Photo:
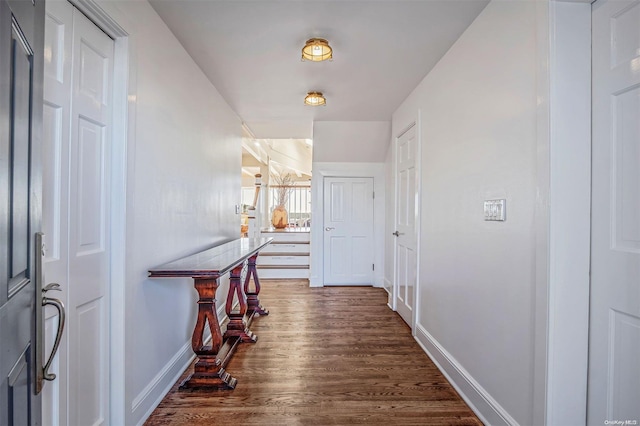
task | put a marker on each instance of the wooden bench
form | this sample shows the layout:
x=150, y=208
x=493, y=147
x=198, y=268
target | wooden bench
x=206, y=267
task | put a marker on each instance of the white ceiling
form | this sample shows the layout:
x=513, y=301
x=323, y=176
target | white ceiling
x=250, y=50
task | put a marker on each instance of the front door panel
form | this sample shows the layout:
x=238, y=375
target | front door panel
x=20, y=197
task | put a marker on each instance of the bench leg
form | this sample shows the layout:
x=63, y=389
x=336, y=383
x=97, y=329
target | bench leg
x=208, y=371
x=237, y=326
x=252, y=297
x=209, y=374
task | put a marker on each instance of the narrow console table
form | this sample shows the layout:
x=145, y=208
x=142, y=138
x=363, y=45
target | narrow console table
x=206, y=267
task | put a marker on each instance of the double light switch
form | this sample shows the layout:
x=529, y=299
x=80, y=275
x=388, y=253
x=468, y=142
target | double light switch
x=495, y=210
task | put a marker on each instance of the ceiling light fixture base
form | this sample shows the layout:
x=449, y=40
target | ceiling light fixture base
x=316, y=50
x=315, y=99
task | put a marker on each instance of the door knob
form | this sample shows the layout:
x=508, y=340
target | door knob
x=397, y=234
x=329, y=228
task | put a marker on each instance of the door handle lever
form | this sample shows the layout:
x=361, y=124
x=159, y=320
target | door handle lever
x=397, y=234
x=57, y=303
x=41, y=372
x=329, y=228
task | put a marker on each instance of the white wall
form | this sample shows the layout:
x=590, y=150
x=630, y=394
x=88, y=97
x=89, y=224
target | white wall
x=183, y=180
x=348, y=149
x=477, y=279
x=350, y=141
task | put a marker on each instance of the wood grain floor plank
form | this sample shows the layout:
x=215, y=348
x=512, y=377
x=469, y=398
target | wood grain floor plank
x=324, y=356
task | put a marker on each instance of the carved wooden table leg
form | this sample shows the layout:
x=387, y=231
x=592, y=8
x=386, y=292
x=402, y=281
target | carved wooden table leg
x=208, y=372
x=252, y=297
x=237, y=326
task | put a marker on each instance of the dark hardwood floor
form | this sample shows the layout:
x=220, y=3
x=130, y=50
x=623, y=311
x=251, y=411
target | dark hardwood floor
x=324, y=356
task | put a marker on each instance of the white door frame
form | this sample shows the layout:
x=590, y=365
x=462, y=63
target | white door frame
x=122, y=136
x=563, y=203
x=416, y=296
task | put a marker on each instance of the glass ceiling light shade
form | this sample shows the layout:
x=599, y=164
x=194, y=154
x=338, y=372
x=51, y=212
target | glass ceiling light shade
x=316, y=50
x=315, y=99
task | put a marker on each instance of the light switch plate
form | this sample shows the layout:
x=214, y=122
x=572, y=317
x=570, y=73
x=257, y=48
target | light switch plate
x=495, y=210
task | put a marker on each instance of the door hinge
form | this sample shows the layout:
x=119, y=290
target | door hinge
x=373, y=266
x=374, y=195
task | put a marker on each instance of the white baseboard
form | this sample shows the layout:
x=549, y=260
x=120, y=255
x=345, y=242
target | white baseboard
x=314, y=281
x=480, y=401
x=388, y=285
x=151, y=396
x=378, y=280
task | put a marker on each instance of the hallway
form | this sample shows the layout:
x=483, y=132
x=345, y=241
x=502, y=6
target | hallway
x=324, y=356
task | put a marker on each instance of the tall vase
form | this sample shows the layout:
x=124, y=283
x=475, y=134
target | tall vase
x=279, y=217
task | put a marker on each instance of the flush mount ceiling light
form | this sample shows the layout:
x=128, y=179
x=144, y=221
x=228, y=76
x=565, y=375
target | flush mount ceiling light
x=315, y=99
x=316, y=50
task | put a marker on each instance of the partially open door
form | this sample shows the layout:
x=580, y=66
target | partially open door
x=21, y=53
x=406, y=263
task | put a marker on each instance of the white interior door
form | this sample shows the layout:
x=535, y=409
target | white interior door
x=77, y=120
x=614, y=339
x=348, y=231
x=405, y=264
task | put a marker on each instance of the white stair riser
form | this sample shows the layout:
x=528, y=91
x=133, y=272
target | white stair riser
x=287, y=236
x=286, y=248
x=282, y=260
x=282, y=273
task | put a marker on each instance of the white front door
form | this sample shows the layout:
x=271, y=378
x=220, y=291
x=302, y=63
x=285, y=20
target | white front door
x=76, y=164
x=614, y=339
x=348, y=231
x=405, y=264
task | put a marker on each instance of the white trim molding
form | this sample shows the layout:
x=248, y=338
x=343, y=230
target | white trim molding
x=151, y=396
x=569, y=212
x=563, y=202
x=155, y=391
x=478, y=399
